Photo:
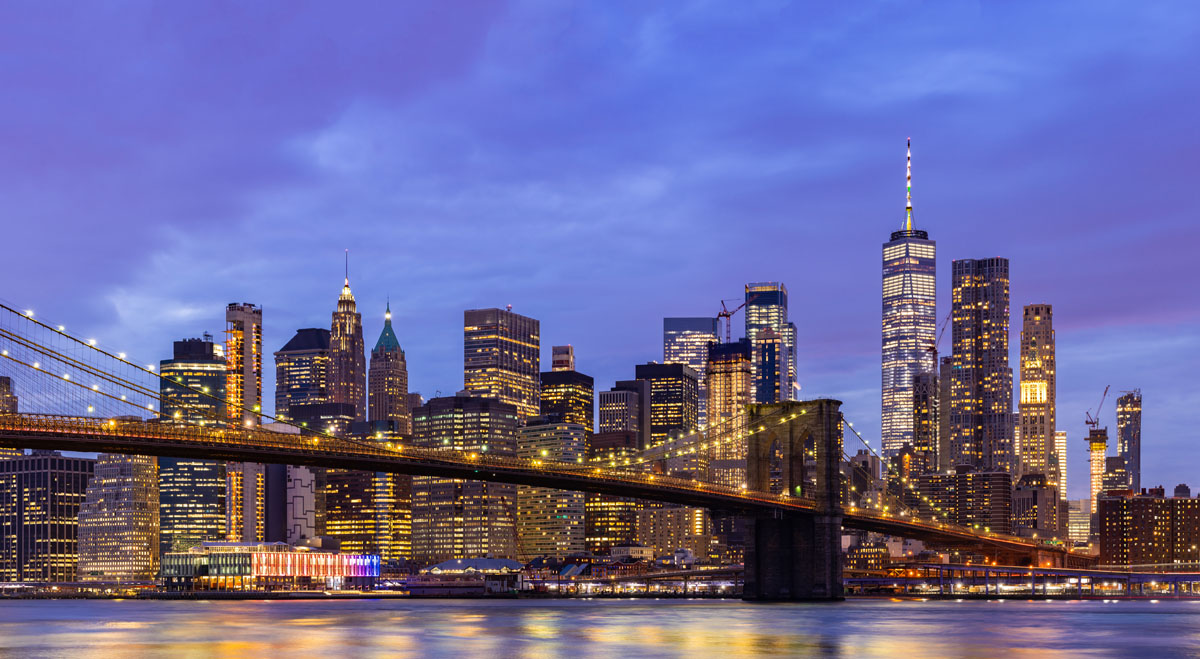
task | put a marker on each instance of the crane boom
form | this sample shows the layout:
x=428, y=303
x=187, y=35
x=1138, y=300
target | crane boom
x=1094, y=421
x=727, y=314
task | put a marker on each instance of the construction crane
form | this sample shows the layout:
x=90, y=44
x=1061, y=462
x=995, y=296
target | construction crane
x=934, y=347
x=727, y=314
x=1093, y=422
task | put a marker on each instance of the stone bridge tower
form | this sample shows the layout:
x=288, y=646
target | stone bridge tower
x=796, y=557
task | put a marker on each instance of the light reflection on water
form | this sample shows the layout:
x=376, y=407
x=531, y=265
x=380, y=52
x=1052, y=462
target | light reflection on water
x=600, y=628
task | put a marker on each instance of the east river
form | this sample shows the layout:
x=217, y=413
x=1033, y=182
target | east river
x=596, y=628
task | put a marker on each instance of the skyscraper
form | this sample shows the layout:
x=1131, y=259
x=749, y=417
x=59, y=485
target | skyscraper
x=729, y=390
x=981, y=419
x=1129, y=435
x=370, y=513
x=1097, y=448
x=626, y=408
x=502, y=357
x=1038, y=393
x=767, y=307
x=389, y=379
x=302, y=371
x=674, y=399
x=1060, y=454
x=909, y=322
x=244, y=482
x=568, y=396
x=243, y=354
x=550, y=522
x=686, y=341
x=347, y=356
x=611, y=520
x=926, y=421
x=40, y=496
x=454, y=518
x=770, y=365
x=119, y=521
x=8, y=405
x=191, y=492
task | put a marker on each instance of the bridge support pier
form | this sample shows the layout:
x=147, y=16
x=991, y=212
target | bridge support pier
x=796, y=557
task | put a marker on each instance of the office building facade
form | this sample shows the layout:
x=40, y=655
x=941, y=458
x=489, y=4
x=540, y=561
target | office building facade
x=626, y=408
x=119, y=521
x=1037, y=451
x=302, y=371
x=569, y=396
x=40, y=498
x=674, y=392
x=1129, y=435
x=767, y=308
x=550, y=522
x=729, y=391
x=502, y=358
x=686, y=341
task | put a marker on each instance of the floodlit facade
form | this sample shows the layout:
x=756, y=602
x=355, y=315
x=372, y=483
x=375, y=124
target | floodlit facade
x=244, y=509
x=191, y=492
x=1097, y=448
x=568, y=396
x=729, y=391
x=232, y=566
x=1060, y=454
x=389, y=379
x=767, y=307
x=981, y=387
x=119, y=521
x=1038, y=454
x=550, y=522
x=502, y=358
x=302, y=371
x=454, y=518
x=1129, y=435
x=909, y=323
x=347, y=356
x=626, y=408
x=686, y=341
x=40, y=497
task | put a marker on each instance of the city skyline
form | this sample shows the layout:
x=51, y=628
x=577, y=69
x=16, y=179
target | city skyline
x=981, y=193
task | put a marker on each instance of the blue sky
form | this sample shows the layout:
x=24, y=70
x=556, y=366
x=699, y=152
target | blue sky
x=600, y=166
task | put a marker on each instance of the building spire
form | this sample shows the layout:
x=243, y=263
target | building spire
x=387, y=313
x=347, y=267
x=908, y=188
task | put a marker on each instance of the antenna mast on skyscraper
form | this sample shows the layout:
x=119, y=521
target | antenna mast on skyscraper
x=908, y=188
x=347, y=266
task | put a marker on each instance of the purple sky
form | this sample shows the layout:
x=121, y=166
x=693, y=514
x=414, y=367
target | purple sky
x=599, y=167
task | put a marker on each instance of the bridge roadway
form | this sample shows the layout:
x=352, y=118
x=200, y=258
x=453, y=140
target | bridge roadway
x=93, y=435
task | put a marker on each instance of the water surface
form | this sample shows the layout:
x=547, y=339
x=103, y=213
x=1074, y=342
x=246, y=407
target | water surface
x=597, y=628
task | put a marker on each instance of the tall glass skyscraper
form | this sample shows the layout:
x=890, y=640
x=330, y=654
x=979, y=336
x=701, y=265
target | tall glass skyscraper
x=909, y=323
x=191, y=491
x=686, y=341
x=767, y=308
x=1129, y=436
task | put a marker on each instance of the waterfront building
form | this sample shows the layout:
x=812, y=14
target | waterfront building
x=1097, y=450
x=626, y=408
x=611, y=520
x=562, y=358
x=191, y=492
x=347, y=355
x=119, y=520
x=502, y=358
x=729, y=390
x=981, y=392
x=389, y=379
x=767, y=308
x=454, y=518
x=1038, y=393
x=1129, y=435
x=674, y=395
x=40, y=497
x=1079, y=521
x=262, y=566
x=8, y=405
x=550, y=522
x=686, y=341
x=668, y=529
x=302, y=371
x=244, y=511
x=926, y=408
x=568, y=395
x=1035, y=506
x=1148, y=529
x=909, y=322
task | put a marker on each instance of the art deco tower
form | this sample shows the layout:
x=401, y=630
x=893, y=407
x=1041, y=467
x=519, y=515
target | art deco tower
x=909, y=322
x=347, y=364
x=389, y=379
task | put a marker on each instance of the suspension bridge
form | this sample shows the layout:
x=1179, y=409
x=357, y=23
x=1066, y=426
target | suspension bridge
x=76, y=395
